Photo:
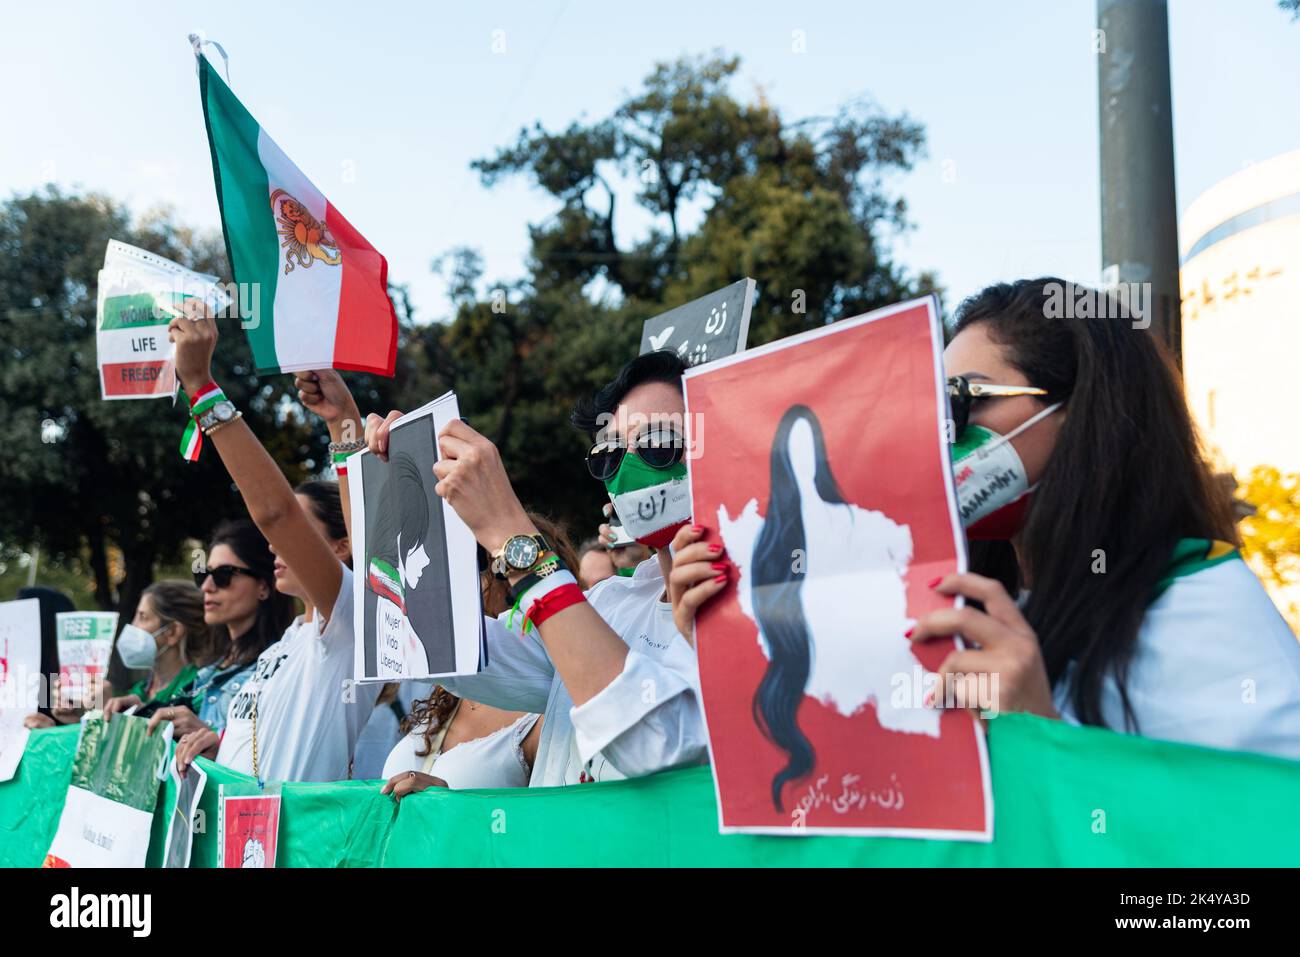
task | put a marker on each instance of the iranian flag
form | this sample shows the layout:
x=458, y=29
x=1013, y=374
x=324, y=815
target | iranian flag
x=313, y=292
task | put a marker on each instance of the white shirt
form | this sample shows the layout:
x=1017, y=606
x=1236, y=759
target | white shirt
x=646, y=720
x=1215, y=665
x=495, y=760
x=310, y=712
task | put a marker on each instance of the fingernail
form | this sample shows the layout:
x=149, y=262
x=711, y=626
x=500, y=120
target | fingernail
x=720, y=566
x=908, y=633
x=721, y=579
x=715, y=548
x=936, y=581
x=697, y=529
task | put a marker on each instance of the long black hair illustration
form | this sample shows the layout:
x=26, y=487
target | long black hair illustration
x=776, y=583
x=409, y=517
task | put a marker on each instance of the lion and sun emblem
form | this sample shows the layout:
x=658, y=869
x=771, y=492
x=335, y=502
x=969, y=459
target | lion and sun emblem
x=304, y=238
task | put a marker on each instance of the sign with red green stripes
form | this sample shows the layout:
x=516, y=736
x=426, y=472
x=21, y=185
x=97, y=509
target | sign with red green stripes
x=138, y=295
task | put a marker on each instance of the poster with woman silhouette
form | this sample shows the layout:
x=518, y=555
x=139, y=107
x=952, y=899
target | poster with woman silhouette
x=821, y=463
x=416, y=595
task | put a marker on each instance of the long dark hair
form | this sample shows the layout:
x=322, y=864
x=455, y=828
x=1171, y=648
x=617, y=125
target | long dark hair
x=410, y=514
x=327, y=506
x=1126, y=477
x=274, y=613
x=777, y=606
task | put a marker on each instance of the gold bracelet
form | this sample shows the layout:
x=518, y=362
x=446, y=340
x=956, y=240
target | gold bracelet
x=234, y=418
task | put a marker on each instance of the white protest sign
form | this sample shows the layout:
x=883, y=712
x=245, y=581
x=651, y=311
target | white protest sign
x=85, y=643
x=20, y=677
x=139, y=294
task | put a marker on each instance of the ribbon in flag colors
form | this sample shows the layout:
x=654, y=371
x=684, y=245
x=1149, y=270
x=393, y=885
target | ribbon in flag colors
x=192, y=437
x=313, y=291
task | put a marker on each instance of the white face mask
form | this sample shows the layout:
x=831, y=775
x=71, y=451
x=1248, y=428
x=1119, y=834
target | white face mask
x=137, y=647
x=992, y=485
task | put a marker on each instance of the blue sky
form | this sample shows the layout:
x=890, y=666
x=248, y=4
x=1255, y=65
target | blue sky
x=384, y=105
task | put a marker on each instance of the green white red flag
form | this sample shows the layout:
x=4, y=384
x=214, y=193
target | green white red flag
x=313, y=291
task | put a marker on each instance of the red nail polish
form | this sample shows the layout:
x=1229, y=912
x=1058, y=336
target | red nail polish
x=908, y=633
x=715, y=548
x=721, y=579
x=936, y=581
x=697, y=529
x=721, y=566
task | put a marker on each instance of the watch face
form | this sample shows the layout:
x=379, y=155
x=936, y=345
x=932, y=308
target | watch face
x=223, y=411
x=521, y=552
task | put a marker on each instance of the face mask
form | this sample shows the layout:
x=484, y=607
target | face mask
x=651, y=503
x=992, y=487
x=137, y=647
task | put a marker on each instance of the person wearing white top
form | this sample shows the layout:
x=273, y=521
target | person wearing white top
x=1137, y=613
x=300, y=715
x=616, y=683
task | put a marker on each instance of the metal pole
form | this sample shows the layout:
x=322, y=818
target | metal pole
x=1139, y=213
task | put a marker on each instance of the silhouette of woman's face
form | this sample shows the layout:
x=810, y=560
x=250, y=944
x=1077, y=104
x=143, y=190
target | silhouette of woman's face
x=412, y=563
x=974, y=354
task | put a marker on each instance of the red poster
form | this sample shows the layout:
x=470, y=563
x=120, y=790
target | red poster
x=249, y=829
x=821, y=462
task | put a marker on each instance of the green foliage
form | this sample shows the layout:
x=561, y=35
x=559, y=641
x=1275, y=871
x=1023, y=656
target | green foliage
x=800, y=206
x=79, y=471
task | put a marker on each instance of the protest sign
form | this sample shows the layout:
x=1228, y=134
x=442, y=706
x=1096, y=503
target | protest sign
x=705, y=329
x=20, y=677
x=827, y=477
x=85, y=643
x=313, y=292
x=185, y=819
x=250, y=829
x=417, y=597
x=139, y=294
x=108, y=813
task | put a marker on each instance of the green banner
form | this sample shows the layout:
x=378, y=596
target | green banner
x=1063, y=795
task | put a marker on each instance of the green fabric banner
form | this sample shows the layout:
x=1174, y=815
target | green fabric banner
x=1063, y=795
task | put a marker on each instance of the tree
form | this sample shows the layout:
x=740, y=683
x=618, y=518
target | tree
x=79, y=472
x=801, y=206
x=1271, y=535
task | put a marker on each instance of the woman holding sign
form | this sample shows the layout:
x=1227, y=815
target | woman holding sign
x=1082, y=489
x=299, y=716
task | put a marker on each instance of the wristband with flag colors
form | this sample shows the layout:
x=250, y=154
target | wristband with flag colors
x=552, y=603
x=192, y=438
x=341, y=462
x=539, y=590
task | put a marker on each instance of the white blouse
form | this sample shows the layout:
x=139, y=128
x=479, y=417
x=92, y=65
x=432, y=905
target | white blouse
x=493, y=761
x=1216, y=665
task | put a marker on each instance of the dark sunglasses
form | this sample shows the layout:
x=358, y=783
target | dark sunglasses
x=962, y=393
x=657, y=448
x=222, y=575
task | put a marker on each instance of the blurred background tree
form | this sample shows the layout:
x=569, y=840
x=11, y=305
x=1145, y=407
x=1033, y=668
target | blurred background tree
x=1271, y=535
x=801, y=206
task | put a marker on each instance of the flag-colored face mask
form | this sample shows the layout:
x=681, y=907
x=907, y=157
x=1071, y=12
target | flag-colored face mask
x=651, y=503
x=992, y=486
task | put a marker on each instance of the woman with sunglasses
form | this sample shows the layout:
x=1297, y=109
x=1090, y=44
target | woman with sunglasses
x=1084, y=494
x=298, y=716
x=245, y=614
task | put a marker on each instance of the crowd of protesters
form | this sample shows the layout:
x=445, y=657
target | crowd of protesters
x=1092, y=409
